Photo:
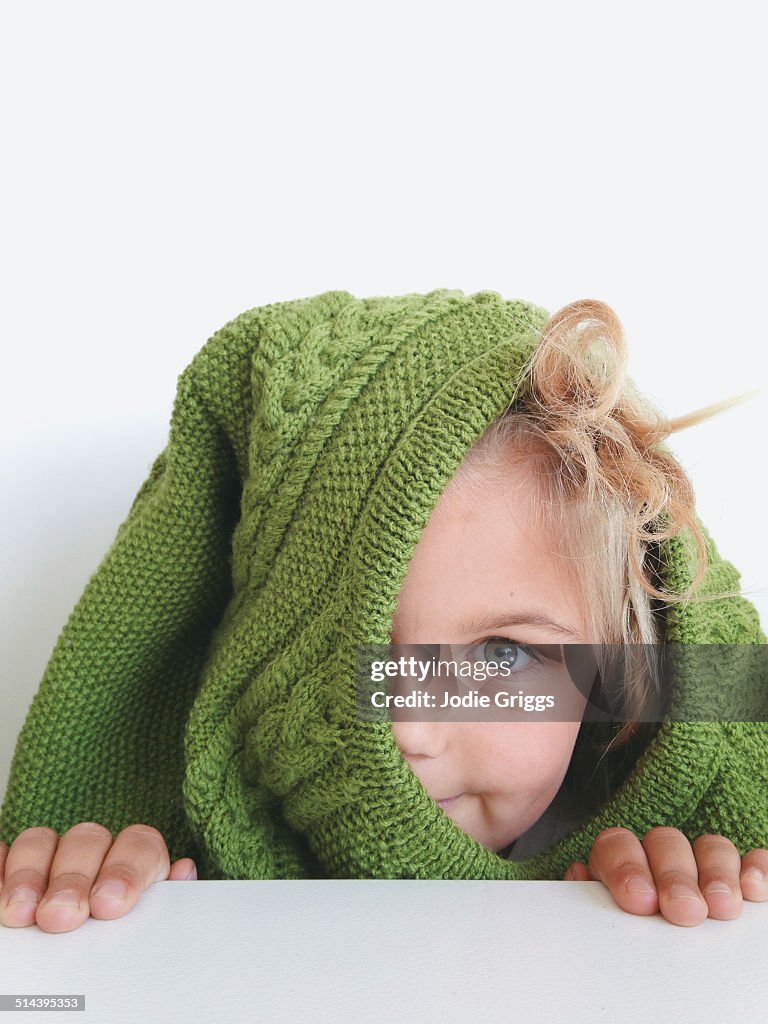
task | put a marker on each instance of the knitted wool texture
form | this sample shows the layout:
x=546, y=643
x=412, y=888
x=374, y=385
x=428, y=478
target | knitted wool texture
x=204, y=682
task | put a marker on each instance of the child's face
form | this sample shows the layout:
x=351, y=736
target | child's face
x=481, y=554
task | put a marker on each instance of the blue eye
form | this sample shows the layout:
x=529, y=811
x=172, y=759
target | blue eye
x=501, y=651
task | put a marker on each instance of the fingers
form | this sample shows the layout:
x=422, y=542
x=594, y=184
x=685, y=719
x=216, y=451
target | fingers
x=183, y=870
x=665, y=872
x=618, y=860
x=674, y=868
x=661, y=873
x=138, y=858
x=78, y=864
x=578, y=872
x=27, y=862
x=754, y=875
x=75, y=865
x=719, y=866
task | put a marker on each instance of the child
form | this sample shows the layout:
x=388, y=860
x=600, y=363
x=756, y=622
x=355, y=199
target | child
x=344, y=472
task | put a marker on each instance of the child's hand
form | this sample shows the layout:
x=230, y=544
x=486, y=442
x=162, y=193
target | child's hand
x=664, y=872
x=37, y=862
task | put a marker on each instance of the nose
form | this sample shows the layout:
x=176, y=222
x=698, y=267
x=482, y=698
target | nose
x=418, y=740
x=421, y=741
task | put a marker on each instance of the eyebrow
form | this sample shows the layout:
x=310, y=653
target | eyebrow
x=517, y=617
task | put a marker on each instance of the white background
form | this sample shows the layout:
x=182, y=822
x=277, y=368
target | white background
x=167, y=166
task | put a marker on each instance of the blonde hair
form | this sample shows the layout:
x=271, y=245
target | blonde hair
x=606, y=484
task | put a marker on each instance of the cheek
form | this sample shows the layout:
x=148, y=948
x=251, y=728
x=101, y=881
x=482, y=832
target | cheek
x=526, y=755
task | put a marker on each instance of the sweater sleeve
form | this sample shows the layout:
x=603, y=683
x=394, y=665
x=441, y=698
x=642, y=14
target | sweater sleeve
x=103, y=738
x=736, y=802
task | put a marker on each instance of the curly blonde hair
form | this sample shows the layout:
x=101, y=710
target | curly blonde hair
x=606, y=483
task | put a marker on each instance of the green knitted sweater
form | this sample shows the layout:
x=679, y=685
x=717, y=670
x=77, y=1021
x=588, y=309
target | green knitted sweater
x=204, y=682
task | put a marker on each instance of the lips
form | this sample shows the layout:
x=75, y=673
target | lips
x=448, y=800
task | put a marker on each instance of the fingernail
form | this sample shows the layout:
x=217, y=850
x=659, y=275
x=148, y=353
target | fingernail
x=719, y=887
x=192, y=876
x=755, y=874
x=639, y=884
x=64, y=899
x=113, y=890
x=24, y=896
x=682, y=892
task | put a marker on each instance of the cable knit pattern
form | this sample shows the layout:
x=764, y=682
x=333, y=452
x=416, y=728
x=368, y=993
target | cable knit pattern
x=204, y=683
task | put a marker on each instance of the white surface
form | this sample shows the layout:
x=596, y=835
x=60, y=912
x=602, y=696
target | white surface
x=359, y=951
